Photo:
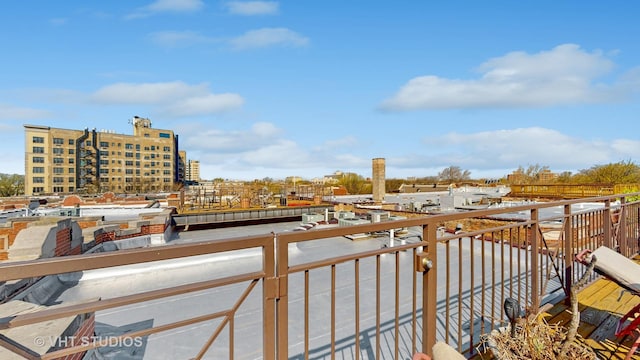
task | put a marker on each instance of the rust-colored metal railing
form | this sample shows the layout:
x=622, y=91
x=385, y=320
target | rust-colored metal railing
x=570, y=191
x=384, y=298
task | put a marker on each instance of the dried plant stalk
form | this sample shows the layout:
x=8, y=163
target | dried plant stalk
x=535, y=339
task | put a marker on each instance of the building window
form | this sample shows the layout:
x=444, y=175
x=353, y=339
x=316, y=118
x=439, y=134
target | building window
x=38, y=170
x=71, y=160
x=72, y=170
x=165, y=135
x=128, y=154
x=104, y=171
x=72, y=179
x=58, y=189
x=58, y=180
x=104, y=153
x=104, y=162
x=104, y=144
x=167, y=157
x=58, y=151
x=72, y=151
x=129, y=163
x=38, y=160
x=71, y=188
x=38, y=150
x=37, y=190
x=71, y=142
x=38, y=180
x=137, y=147
x=167, y=180
x=58, y=170
x=58, y=141
x=167, y=172
x=167, y=164
x=88, y=143
x=58, y=160
x=38, y=140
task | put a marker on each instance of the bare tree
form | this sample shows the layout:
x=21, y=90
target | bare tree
x=454, y=174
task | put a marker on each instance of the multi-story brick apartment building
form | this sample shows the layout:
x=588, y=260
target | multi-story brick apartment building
x=90, y=161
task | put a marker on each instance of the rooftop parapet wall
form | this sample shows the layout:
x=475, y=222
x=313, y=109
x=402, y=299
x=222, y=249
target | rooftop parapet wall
x=74, y=236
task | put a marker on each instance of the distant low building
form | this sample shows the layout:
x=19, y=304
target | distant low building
x=333, y=178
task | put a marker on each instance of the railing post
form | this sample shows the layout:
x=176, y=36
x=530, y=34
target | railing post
x=269, y=305
x=535, y=256
x=282, y=301
x=568, y=253
x=607, y=225
x=430, y=287
x=622, y=228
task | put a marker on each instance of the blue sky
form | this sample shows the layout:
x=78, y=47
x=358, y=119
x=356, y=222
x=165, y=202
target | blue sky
x=260, y=89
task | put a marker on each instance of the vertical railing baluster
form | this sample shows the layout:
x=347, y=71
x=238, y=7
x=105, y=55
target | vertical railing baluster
x=396, y=331
x=306, y=315
x=447, y=288
x=535, y=248
x=357, y=306
x=568, y=251
x=378, y=308
x=333, y=311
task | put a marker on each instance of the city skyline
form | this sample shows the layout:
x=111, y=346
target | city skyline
x=259, y=89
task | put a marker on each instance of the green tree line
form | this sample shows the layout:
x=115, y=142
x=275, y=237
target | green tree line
x=11, y=185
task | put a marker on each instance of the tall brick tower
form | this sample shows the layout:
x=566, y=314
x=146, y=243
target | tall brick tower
x=378, y=177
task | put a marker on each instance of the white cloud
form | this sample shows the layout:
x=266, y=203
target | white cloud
x=564, y=75
x=231, y=141
x=268, y=37
x=10, y=112
x=252, y=7
x=206, y=104
x=178, y=38
x=176, y=5
x=173, y=98
x=260, y=150
x=626, y=148
x=508, y=149
x=167, y=6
